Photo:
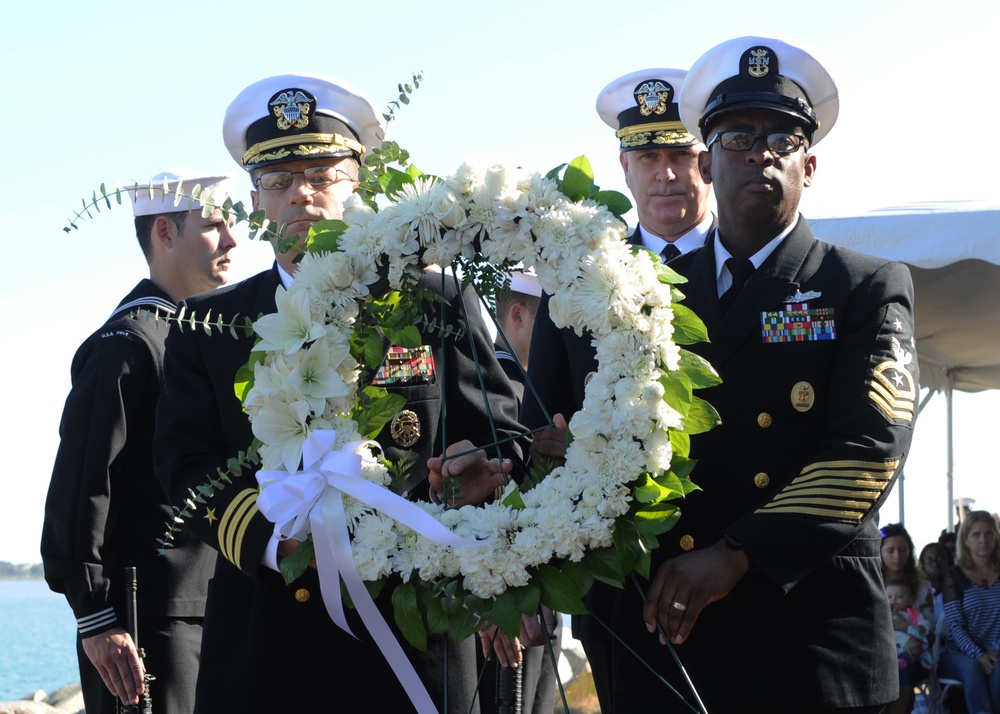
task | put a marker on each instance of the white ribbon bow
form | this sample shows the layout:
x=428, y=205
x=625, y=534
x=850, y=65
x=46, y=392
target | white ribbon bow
x=314, y=496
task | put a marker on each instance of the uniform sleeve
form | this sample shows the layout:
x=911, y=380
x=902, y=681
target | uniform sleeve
x=833, y=498
x=198, y=421
x=111, y=377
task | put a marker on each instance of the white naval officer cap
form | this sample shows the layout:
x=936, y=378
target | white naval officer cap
x=171, y=191
x=759, y=73
x=642, y=109
x=290, y=117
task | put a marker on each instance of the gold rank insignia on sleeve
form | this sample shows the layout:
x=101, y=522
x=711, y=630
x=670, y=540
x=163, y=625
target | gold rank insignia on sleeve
x=843, y=490
x=234, y=522
x=892, y=387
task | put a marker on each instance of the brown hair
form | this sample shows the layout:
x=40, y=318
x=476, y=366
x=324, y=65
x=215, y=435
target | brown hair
x=964, y=558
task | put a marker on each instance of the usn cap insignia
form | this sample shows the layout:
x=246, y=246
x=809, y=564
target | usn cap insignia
x=293, y=108
x=758, y=62
x=653, y=97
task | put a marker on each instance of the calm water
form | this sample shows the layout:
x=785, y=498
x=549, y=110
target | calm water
x=37, y=639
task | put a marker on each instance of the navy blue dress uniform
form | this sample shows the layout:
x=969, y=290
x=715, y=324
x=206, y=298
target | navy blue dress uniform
x=268, y=646
x=819, y=372
x=105, y=509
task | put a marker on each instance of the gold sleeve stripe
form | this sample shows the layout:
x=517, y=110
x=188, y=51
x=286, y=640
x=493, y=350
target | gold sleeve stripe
x=896, y=410
x=889, y=466
x=822, y=513
x=834, y=489
x=894, y=396
x=801, y=493
x=233, y=525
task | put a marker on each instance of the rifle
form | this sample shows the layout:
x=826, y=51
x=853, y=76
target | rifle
x=145, y=705
x=509, y=694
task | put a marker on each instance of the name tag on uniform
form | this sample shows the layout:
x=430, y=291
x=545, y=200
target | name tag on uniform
x=797, y=322
x=404, y=365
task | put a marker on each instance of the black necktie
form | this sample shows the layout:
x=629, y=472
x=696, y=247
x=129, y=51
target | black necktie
x=669, y=252
x=741, y=269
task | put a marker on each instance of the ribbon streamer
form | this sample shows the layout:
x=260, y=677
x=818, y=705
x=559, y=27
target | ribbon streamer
x=315, y=495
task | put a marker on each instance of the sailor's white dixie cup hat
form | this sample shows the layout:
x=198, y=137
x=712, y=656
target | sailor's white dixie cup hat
x=150, y=198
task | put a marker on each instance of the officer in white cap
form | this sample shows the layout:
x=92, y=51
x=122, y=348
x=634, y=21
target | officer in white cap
x=271, y=647
x=105, y=509
x=769, y=587
x=660, y=159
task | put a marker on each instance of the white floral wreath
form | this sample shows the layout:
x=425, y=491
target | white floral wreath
x=618, y=466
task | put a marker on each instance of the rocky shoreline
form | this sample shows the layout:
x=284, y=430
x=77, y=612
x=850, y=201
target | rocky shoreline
x=65, y=700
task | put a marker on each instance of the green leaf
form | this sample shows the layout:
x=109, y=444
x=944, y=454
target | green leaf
x=682, y=466
x=657, y=519
x=578, y=574
x=508, y=608
x=614, y=201
x=324, y=236
x=677, y=391
x=295, y=565
x=514, y=500
x=372, y=351
x=559, y=592
x=378, y=412
x=244, y=375
x=701, y=417
x=408, y=336
x=578, y=180
x=698, y=369
x=680, y=442
x=688, y=327
x=407, y=615
x=626, y=539
x=604, y=565
x=553, y=174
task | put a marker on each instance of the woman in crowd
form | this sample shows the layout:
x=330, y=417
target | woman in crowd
x=935, y=559
x=900, y=566
x=972, y=609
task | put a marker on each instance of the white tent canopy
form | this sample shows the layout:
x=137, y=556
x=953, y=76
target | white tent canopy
x=953, y=252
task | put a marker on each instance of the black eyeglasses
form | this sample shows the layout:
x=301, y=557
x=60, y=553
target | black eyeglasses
x=779, y=142
x=317, y=177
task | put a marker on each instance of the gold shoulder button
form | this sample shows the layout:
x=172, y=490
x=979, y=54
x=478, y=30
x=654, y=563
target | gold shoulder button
x=687, y=542
x=761, y=480
x=302, y=595
x=764, y=420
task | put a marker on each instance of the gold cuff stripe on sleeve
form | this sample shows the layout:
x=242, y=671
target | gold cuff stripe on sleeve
x=860, y=494
x=314, y=138
x=856, y=500
x=821, y=512
x=233, y=525
x=889, y=466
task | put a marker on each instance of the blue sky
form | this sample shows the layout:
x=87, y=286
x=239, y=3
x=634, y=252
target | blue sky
x=106, y=92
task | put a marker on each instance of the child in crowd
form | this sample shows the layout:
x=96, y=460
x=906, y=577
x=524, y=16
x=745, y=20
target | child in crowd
x=908, y=622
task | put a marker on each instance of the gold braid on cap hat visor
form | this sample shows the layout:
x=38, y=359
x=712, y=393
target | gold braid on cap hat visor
x=255, y=153
x=667, y=132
